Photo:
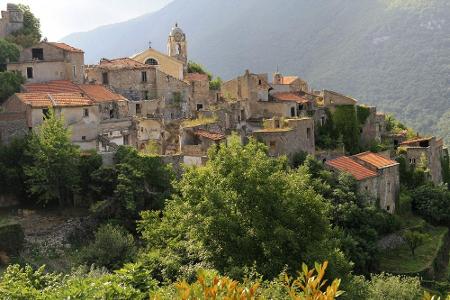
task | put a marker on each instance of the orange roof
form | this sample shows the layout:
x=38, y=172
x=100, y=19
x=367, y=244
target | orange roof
x=346, y=164
x=215, y=136
x=56, y=86
x=95, y=92
x=42, y=100
x=288, y=79
x=415, y=141
x=197, y=77
x=99, y=93
x=286, y=96
x=376, y=160
x=66, y=47
x=122, y=63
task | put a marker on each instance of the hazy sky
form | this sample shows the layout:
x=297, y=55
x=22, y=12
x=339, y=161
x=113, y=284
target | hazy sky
x=62, y=17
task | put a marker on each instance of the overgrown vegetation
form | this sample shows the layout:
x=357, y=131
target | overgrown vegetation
x=30, y=34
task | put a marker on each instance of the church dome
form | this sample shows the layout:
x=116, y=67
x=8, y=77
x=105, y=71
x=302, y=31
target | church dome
x=176, y=30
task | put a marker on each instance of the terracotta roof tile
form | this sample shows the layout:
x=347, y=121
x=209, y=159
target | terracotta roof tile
x=415, y=141
x=122, y=63
x=196, y=77
x=66, y=47
x=96, y=92
x=56, y=86
x=38, y=100
x=99, y=93
x=376, y=160
x=346, y=164
x=215, y=136
x=288, y=79
x=286, y=96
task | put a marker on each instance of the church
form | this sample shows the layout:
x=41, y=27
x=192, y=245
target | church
x=175, y=62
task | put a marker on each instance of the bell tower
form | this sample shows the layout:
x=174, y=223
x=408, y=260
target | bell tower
x=177, y=44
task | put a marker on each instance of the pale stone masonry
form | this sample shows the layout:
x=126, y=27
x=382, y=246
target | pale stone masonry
x=11, y=20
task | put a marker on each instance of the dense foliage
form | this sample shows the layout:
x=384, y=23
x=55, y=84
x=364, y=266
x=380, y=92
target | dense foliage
x=235, y=213
x=432, y=203
x=30, y=34
x=111, y=248
x=9, y=52
x=10, y=83
x=53, y=172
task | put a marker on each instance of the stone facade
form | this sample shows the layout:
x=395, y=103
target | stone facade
x=12, y=125
x=11, y=20
x=432, y=149
x=290, y=138
x=50, y=61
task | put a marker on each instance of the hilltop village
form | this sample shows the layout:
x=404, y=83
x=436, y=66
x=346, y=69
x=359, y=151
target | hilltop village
x=156, y=101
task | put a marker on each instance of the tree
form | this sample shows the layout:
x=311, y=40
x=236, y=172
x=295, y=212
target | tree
x=30, y=34
x=432, y=202
x=53, y=172
x=414, y=239
x=215, y=84
x=111, y=248
x=9, y=52
x=242, y=208
x=10, y=83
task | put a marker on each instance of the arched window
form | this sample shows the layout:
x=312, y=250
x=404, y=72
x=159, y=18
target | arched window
x=152, y=62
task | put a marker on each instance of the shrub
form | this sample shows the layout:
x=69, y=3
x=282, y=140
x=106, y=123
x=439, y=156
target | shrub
x=387, y=287
x=11, y=237
x=111, y=248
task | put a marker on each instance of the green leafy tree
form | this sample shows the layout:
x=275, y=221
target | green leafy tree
x=9, y=52
x=215, y=84
x=414, y=239
x=432, y=202
x=10, y=83
x=90, y=162
x=194, y=67
x=53, y=172
x=111, y=248
x=30, y=34
x=388, y=287
x=242, y=208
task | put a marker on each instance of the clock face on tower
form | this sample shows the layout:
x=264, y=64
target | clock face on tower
x=178, y=37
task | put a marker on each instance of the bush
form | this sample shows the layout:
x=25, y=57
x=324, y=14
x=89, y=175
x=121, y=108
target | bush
x=11, y=238
x=387, y=287
x=111, y=248
x=432, y=203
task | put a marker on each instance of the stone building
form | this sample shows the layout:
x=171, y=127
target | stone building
x=137, y=81
x=48, y=61
x=282, y=83
x=97, y=117
x=429, y=148
x=196, y=140
x=376, y=176
x=175, y=62
x=388, y=178
x=332, y=99
x=11, y=20
x=12, y=125
x=287, y=137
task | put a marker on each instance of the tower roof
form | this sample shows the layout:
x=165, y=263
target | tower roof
x=175, y=30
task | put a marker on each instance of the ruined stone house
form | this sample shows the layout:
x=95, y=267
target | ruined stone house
x=11, y=20
x=376, y=176
x=97, y=117
x=429, y=148
x=287, y=136
x=48, y=61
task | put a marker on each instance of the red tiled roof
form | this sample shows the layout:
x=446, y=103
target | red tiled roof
x=288, y=79
x=56, y=86
x=66, y=47
x=346, y=164
x=38, y=100
x=96, y=92
x=99, y=93
x=286, y=96
x=197, y=77
x=215, y=136
x=376, y=160
x=415, y=141
x=122, y=63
